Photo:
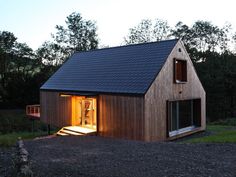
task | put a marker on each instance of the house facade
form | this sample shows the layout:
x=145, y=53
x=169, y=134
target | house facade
x=147, y=92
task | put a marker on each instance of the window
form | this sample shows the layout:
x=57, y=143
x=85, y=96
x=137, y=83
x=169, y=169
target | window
x=180, y=71
x=183, y=116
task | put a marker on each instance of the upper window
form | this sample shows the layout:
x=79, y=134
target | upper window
x=180, y=71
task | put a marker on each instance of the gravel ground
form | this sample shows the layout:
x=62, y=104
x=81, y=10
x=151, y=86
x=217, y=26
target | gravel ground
x=6, y=162
x=101, y=157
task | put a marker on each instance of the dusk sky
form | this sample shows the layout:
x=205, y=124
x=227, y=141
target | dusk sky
x=32, y=21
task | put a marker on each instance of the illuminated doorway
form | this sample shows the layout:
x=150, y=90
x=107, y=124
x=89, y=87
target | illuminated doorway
x=88, y=114
x=84, y=112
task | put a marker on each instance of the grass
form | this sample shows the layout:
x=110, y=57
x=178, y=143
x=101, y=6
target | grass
x=10, y=139
x=14, y=124
x=219, y=134
x=16, y=121
x=228, y=121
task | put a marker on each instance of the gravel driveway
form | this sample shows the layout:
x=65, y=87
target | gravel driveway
x=101, y=157
x=6, y=162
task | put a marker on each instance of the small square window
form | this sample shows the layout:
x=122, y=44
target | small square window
x=180, y=71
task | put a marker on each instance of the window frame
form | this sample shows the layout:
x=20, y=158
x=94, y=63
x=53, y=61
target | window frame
x=184, y=71
x=195, y=117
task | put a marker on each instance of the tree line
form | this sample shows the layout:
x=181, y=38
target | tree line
x=211, y=48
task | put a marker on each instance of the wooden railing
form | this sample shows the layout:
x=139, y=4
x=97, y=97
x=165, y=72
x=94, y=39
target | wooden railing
x=33, y=111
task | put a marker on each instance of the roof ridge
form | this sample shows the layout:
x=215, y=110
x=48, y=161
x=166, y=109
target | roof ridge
x=129, y=45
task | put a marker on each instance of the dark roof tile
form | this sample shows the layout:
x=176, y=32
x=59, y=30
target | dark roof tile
x=127, y=69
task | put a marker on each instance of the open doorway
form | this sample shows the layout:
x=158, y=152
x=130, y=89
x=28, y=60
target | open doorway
x=84, y=112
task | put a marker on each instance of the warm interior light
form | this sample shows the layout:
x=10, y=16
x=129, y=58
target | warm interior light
x=83, y=115
x=64, y=95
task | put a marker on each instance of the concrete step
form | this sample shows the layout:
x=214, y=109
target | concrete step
x=62, y=134
x=76, y=131
x=70, y=132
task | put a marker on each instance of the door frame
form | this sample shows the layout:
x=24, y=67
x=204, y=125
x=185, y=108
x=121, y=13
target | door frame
x=93, y=114
x=75, y=112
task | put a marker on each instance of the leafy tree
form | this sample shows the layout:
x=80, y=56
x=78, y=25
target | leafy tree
x=17, y=68
x=203, y=36
x=182, y=31
x=218, y=76
x=234, y=42
x=146, y=31
x=140, y=33
x=161, y=30
x=78, y=35
x=7, y=41
x=51, y=54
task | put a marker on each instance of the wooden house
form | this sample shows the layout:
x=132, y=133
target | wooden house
x=147, y=92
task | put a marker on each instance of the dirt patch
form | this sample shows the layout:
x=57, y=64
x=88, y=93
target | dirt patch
x=103, y=157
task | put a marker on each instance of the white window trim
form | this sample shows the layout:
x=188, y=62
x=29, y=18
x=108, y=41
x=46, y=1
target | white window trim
x=182, y=130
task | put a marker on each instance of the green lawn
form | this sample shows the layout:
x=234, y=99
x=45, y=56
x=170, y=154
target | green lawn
x=219, y=134
x=10, y=139
x=14, y=124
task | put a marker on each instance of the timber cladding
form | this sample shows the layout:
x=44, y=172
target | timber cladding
x=140, y=113
x=163, y=89
x=121, y=116
x=118, y=116
x=55, y=110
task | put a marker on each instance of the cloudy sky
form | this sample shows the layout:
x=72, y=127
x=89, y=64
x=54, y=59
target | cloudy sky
x=32, y=21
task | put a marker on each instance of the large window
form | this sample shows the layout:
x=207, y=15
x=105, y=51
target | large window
x=180, y=71
x=183, y=116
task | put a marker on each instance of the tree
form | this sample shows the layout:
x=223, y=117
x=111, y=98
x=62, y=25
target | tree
x=146, y=31
x=184, y=32
x=203, y=36
x=234, y=42
x=7, y=41
x=218, y=76
x=78, y=35
x=51, y=54
x=18, y=67
x=161, y=30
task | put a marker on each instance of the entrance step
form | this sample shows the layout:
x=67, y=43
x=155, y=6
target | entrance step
x=60, y=133
x=75, y=131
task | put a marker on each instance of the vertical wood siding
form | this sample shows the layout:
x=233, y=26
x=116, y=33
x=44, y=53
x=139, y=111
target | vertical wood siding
x=132, y=117
x=121, y=117
x=163, y=88
x=55, y=110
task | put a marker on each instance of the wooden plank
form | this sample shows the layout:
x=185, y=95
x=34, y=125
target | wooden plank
x=55, y=110
x=121, y=116
x=164, y=89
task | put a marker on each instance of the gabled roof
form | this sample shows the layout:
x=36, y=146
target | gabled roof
x=127, y=69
